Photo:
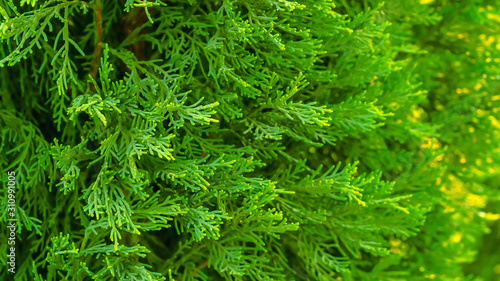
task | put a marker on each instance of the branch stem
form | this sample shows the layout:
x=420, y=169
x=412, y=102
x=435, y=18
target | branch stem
x=98, y=41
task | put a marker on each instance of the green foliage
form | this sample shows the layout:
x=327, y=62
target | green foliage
x=251, y=140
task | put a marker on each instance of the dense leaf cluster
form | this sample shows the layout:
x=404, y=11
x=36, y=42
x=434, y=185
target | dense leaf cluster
x=251, y=139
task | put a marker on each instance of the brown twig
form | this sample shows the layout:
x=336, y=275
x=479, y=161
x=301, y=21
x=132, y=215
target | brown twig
x=97, y=48
x=135, y=19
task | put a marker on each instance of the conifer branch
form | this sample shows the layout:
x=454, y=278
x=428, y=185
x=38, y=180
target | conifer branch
x=249, y=139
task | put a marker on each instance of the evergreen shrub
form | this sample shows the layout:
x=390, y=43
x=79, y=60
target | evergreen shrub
x=251, y=139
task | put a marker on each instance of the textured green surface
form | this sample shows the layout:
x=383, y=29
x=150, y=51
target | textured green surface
x=251, y=139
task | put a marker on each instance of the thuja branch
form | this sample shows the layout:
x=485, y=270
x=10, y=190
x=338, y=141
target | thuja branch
x=248, y=140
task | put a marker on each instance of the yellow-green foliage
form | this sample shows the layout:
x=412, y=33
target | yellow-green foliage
x=251, y=139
